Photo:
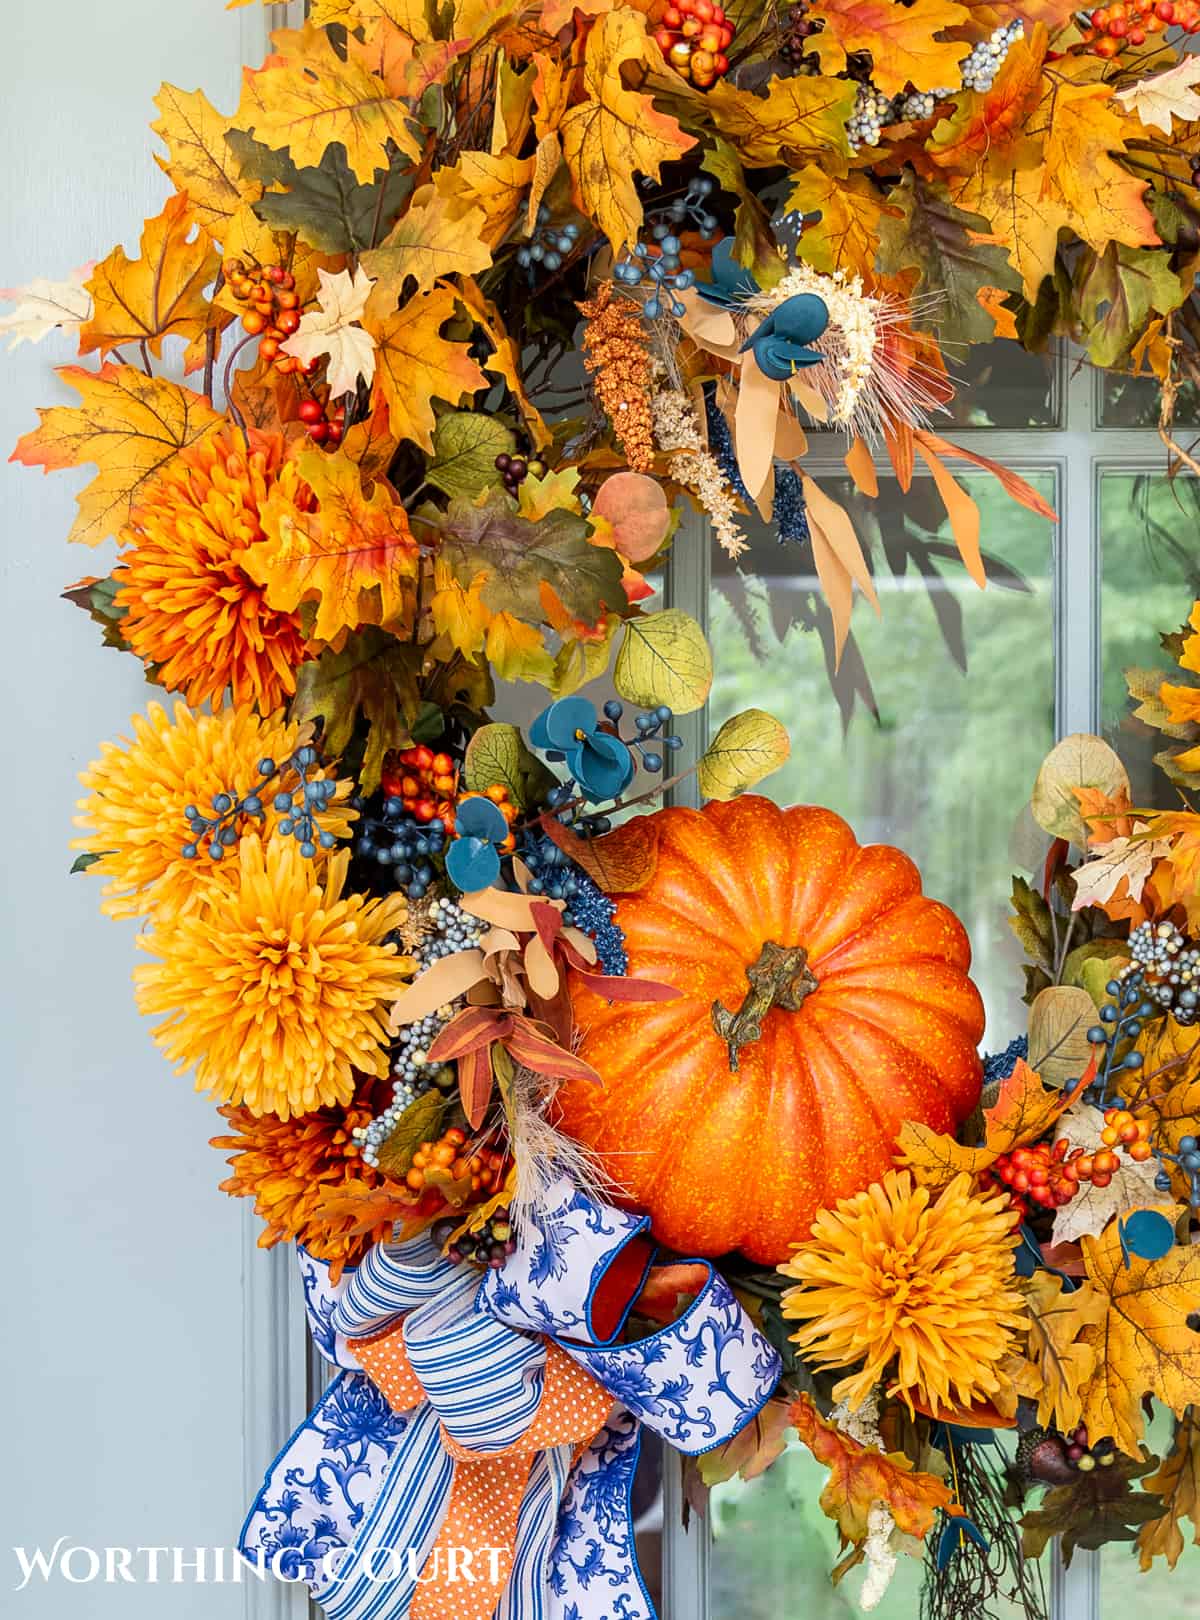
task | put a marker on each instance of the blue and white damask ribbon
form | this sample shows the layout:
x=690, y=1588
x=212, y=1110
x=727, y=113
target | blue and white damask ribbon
x=355, y=1500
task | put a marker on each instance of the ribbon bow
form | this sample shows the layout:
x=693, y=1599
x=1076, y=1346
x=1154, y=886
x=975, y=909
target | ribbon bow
x=476, y=1457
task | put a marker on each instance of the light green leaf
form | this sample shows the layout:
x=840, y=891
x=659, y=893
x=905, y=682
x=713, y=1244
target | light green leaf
x=420, y=1122
x=465, y=447
x=1080, y=760
x=748, y=747
x=664, y=658
x=497, y=753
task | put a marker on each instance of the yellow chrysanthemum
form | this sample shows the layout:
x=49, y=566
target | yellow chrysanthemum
x=133, y=817
x=290, y=1166
x=191, y=609
x=919, y=1290
x=278, y=990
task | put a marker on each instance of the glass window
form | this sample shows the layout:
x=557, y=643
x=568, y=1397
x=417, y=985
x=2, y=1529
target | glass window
x=999, y=385
x=1166, y=1593
x=1149, y=575
x=964, y=711
x=1133, y=402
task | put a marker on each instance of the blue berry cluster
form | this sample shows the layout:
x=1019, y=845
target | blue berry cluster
x=402, y=845
x=1121, y=1020
x=556, y=875
x=661, y=274
x=549, y=244
x=999, y=1065
x=218, y=832
x=1186, y=1158
x=651, y=733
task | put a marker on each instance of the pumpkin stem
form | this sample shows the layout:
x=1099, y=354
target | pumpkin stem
x=780, y=978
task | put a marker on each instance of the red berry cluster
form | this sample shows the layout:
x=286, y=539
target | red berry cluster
x=274, y=311
x=694, y=36
x=1040, y=1175
x=323, y=430
x=1130, y=22
x=425, y=781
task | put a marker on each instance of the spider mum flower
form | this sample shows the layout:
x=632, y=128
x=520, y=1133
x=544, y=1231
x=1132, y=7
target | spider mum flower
x=191, y=609
x=133, y=817
x=894, y=1276
x=278, y=991
x=288, y=1167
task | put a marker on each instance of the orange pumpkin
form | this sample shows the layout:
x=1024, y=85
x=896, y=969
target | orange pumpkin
x=825, y=1000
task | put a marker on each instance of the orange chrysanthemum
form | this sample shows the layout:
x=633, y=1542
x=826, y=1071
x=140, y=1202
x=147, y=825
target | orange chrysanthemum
x=133, y=817
x=277, y=992
x=191, y=609
x=289, y=1166
x=920, y=1291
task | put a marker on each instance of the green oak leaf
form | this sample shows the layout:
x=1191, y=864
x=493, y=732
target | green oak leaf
x=374, y=676
x=935, y=237
x=664, y=658
x=326, y=206
x=1119, y=291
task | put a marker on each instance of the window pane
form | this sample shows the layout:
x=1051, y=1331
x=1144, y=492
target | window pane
x=1000, y=385
x=773, y=1549
x=1133, y=402
x=1165, y=1593
x=965, y=688
x=1150, y=575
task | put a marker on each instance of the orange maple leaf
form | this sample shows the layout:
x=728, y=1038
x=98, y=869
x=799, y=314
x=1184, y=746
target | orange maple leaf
x=415, y=364
x=1023, y=1111
x=861, y=1475
x=901, y=39
x=129, y=425
x=355, y=556
x=993, y=124
x=158, y=295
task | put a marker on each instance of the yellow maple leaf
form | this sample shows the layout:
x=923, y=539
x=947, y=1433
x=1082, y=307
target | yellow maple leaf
x=314, y=98
x=846, y=237
x=458, y=611
x=355, y=556
x=416, y=364
x=516, y=651
x=1022, y=219
x=616, y=133
x=1064, y=1363
x=439, y=236
x=199, y=160
x=796, y=119
x=1100, y=201
x=129, y=425
x=1024, y=1109
x=1177, y=1481
x=860, y=1476
x=901, y=40
x=159, y=294
x=1143, y=1344
x=505, y=359
x=493, y=186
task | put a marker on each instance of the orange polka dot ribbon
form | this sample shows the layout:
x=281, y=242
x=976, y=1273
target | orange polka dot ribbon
x=476, y=1457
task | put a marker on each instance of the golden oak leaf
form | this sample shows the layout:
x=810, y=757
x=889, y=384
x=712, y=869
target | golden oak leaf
x=616, y=133
x=1024, y=1109
x=129, y=425
x=440, y=236
x=546, y=160
x=158, y=295
x=516, y=651
x=1182, y=886
x=1098, y=200
x=799, y=117
x=1177, y=1481
x=370, y=444
x=1022, y=220
x=846, y=237
x=551, y=93
x=416, y=364
x=1143, y=1344
x=901, y=40
x=1063, y=1361
x=354, y=556
x=313, y=98
x=458, y=611
x=199, y=160
x=992, y=124
x=512, y=117
x=861, y=1475
x=494, y=186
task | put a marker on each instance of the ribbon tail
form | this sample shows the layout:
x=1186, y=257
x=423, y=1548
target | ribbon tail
x=594, y=1571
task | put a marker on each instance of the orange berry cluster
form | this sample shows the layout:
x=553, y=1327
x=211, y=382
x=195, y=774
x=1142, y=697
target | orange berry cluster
x=274, y=312
x=1122, y=1130
x=1129, y=22
x=424, y=781
x=498, y=794
x=452, y=1154
x=694, y=36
